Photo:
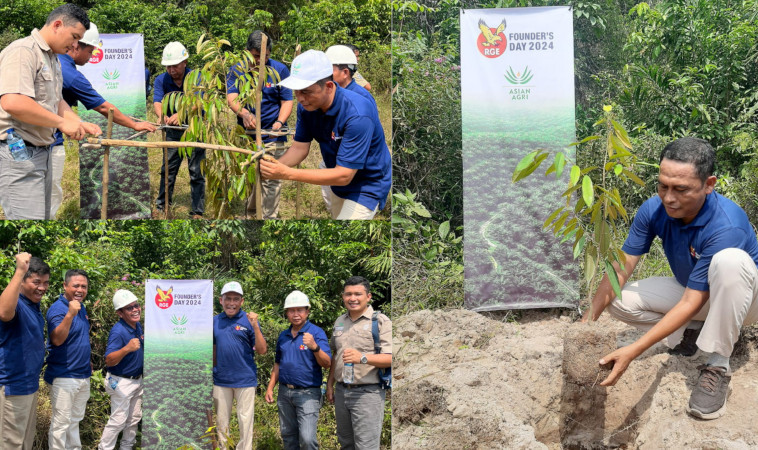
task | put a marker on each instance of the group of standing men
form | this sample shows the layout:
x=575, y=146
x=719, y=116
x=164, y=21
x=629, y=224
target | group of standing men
x=301, y=353
x=37, y=90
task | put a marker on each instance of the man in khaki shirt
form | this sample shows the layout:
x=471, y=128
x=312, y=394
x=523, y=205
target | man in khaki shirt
x=359, y=406
x=31, y=103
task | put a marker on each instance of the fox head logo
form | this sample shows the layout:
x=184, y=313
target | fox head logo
x=491, y=41
x=164, y=299
x=97, y=55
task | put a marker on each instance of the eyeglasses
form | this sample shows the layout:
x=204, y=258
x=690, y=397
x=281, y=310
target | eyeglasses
x=131, y=308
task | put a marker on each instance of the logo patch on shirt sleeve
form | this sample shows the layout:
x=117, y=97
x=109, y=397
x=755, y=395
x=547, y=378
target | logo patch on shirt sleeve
x=693, y=253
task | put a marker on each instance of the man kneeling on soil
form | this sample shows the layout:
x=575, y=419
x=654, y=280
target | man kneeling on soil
x=713, y=252
x=124, y=356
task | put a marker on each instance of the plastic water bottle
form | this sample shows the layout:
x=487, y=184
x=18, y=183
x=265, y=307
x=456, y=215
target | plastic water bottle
x=16, y=146
x=347, y=373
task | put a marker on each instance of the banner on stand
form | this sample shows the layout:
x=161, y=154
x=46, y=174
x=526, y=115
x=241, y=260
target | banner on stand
x=517, y=95
x=178, y=373
x=117, y=72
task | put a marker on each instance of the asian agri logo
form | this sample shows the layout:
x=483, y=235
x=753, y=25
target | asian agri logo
x=518, y=79
x=179, y=323
x=164, y=299
x=112, y=75
x=97, y=53
x=491, y=41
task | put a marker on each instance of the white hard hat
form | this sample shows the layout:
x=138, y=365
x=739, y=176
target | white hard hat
x=122, y=297
x=232, y=286
x=307, y=69
x=341, y=54
x=174, y=53
x=296, y=299
x=91, y=36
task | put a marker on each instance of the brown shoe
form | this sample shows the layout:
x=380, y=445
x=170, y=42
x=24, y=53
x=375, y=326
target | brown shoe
x=197, y=216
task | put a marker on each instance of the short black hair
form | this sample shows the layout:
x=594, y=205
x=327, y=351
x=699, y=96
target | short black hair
x=75, y=272
x=350, y=67
x=322, y=82
x=70, y=14
x=255, y=39
x=38, y=267
x=351, y=47
x=697, y=152
x=356, y=280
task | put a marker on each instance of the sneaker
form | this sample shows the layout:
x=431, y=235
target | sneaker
x=688, y=346
x=708, y=399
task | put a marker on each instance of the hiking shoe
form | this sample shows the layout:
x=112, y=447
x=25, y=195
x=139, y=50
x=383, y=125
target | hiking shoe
x=688, y=346
x=708, y=399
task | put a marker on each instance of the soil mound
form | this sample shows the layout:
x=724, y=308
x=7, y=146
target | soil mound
x=468, y=380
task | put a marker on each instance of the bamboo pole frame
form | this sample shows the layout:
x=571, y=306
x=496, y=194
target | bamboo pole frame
x=298, y=186
x=262, y=75
x=106, y=164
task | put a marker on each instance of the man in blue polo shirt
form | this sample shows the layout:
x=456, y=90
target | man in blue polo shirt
x=76, y=88
x=175, y=59
x=301, y=351
x=347, y=127
x=713, y=252
x=68, y=361
x=235, y=375
x=124, y=356
x=22, y=350
x=276, y=107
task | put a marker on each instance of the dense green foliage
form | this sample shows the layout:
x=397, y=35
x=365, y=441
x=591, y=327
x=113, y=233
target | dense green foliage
x=270, y=260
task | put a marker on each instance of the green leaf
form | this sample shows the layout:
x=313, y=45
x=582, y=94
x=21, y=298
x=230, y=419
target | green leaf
x=617, y=169
x=613, y=278
x=444, y=229
x=579, y=246
x=633, y=177
x=588, y=194
x=560, y=163
x=574, y=175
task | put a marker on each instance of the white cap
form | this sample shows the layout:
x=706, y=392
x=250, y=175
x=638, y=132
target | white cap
x=308, y=68
x=91, y=36
x=174, y=53
x=296, y=299
x=341, y=54
x=122, y=297
x=232, y=286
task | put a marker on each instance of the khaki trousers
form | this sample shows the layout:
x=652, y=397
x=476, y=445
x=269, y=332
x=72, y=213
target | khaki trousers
x=68, y=398
x=733, y=302
x=18, y=420
x=343, y=209
x=126, y=412
x=58, y=160
x=222, y=401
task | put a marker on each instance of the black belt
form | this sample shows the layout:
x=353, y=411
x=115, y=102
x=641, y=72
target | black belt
x=353, y=386
x=292, y=386
x=136, y=377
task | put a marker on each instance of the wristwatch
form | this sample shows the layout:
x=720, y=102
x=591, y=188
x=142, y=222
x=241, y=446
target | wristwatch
x=364, y=360
x=317, y=349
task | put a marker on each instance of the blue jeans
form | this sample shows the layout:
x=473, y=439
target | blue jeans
x=197, y=180
x=298, y=416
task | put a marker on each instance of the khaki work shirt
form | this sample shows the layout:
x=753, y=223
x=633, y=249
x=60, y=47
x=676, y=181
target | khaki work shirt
x=29, y=67
x=357, y=334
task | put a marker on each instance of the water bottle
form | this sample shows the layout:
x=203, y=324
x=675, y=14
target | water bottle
x=113, y=383
x=347, y=373
x=17, y=146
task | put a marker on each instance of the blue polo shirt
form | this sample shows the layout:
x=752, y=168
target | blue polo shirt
x=72, y=358
x=22, y=349
x=131, y=364
x=164, y=85
x=76, y=88
x=719, y=225
x=350, y=135
x=358, y=89
x=234, y=339
x=272, y=95
x=297, y=364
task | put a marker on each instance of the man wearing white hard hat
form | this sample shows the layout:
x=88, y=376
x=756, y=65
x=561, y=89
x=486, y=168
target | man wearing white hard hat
x=235, y=375
x=347, y=127
x=32, y=106
x=301, y=351
x=77, y=88
x=175, y=59
x=124, y=355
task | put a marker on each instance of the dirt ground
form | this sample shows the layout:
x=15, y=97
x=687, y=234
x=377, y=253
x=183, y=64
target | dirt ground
x=464, y=380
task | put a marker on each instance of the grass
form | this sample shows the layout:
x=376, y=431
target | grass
x=311, y=204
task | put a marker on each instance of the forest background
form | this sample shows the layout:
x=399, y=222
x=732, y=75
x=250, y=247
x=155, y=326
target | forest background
x=668, y=68
x=269, y=259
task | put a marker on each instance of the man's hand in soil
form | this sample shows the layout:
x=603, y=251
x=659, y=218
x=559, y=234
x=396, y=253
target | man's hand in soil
x=620, y=360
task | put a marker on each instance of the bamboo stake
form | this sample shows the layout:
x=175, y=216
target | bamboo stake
x=262, y=75
x=168, y=144
x=106, y=163
x=298, y=186
x=165, y=169
x=209, y=416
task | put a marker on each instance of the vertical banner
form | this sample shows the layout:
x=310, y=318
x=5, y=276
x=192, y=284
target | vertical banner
x=517, y=95
x=178, y=383
x=117, y=72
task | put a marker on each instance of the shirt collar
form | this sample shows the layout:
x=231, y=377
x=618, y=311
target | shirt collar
x=706, y=212
x=239, y=314
x=334, y=108
x=367, y=313
x=63, y=299
x=66, y=58
x=302, y=330
x=26, y=300
x=41, y=41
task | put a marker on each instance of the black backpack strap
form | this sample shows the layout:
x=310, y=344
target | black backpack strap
x=375, y=332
